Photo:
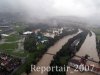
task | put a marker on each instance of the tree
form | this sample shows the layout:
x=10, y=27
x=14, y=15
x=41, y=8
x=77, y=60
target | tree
x=30, y=43
x=0, y=37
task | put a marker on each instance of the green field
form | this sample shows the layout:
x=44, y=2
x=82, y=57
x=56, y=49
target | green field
x=97, y=32
x=6, y=46
x=98, y=36
x=11, y=50
x=10, y=46
x=13, y=37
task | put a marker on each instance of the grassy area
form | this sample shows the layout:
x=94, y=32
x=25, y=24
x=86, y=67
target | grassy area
x=7, y=46
x=31, y=57
x=10, y=49
x=26, y=65
x=40, y=46
x=98, y=36
x=19, y=27
x=13, y=37
x=20, y=53
x=97, y=32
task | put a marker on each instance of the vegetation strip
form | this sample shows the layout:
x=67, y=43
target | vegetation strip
x=67, y=52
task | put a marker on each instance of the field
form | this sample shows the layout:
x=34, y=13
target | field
x=12, y=45
x=12, y=38
x=97, y=32
x=6, y=46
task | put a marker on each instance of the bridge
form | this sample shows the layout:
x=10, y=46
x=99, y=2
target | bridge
x=87, y=59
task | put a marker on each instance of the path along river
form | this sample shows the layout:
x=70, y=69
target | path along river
x=47, y=58
x=88, y=47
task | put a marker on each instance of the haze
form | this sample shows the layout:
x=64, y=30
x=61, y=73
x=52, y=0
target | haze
x=48, y=8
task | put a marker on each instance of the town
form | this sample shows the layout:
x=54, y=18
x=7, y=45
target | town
x=15, y=44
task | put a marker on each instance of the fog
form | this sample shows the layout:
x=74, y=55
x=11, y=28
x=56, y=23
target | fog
x=48, y=8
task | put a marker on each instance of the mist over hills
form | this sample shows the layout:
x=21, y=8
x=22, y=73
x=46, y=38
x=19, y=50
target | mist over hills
x=34, y=11
x=7, y=18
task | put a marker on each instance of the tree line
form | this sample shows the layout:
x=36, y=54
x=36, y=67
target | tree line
x=66, y=53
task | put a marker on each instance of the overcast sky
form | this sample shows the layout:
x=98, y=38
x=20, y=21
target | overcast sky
x=80, y=8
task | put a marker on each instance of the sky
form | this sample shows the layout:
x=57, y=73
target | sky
x=45, y=8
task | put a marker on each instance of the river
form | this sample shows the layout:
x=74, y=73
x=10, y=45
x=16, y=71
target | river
x=88, y=47
x=47, y=58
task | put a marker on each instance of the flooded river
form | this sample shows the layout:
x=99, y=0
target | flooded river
x=47, y=58
x=88, y=47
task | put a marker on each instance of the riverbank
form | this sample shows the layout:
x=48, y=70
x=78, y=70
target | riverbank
x=35, y=57
x=97, y=33
x=47, y=58
x=67, y=52
x=89, y=48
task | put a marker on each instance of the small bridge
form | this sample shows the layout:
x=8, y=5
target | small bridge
x=87, y=59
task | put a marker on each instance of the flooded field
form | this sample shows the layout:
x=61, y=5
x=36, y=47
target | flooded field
x=89, y=48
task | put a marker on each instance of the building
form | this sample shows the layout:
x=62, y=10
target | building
x=27, y=33
x=53, y=32
x=51, y=35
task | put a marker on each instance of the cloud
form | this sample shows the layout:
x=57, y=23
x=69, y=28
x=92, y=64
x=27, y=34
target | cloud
x=81, y=8
x=41, y=8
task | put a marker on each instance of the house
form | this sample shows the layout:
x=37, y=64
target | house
x=8, y=62
x=37, y=30
x=51, y=35
x=41, y=38
x=53, y=32
x=43, y=41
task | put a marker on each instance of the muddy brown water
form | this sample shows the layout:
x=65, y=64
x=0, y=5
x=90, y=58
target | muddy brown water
x=88, y=47
x=46, y=59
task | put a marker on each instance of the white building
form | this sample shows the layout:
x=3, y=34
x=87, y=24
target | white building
x=53, y=32
x=51, y=35
x=37, y=30
x=27, y=32
x=58, y=31
x=4, y=35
